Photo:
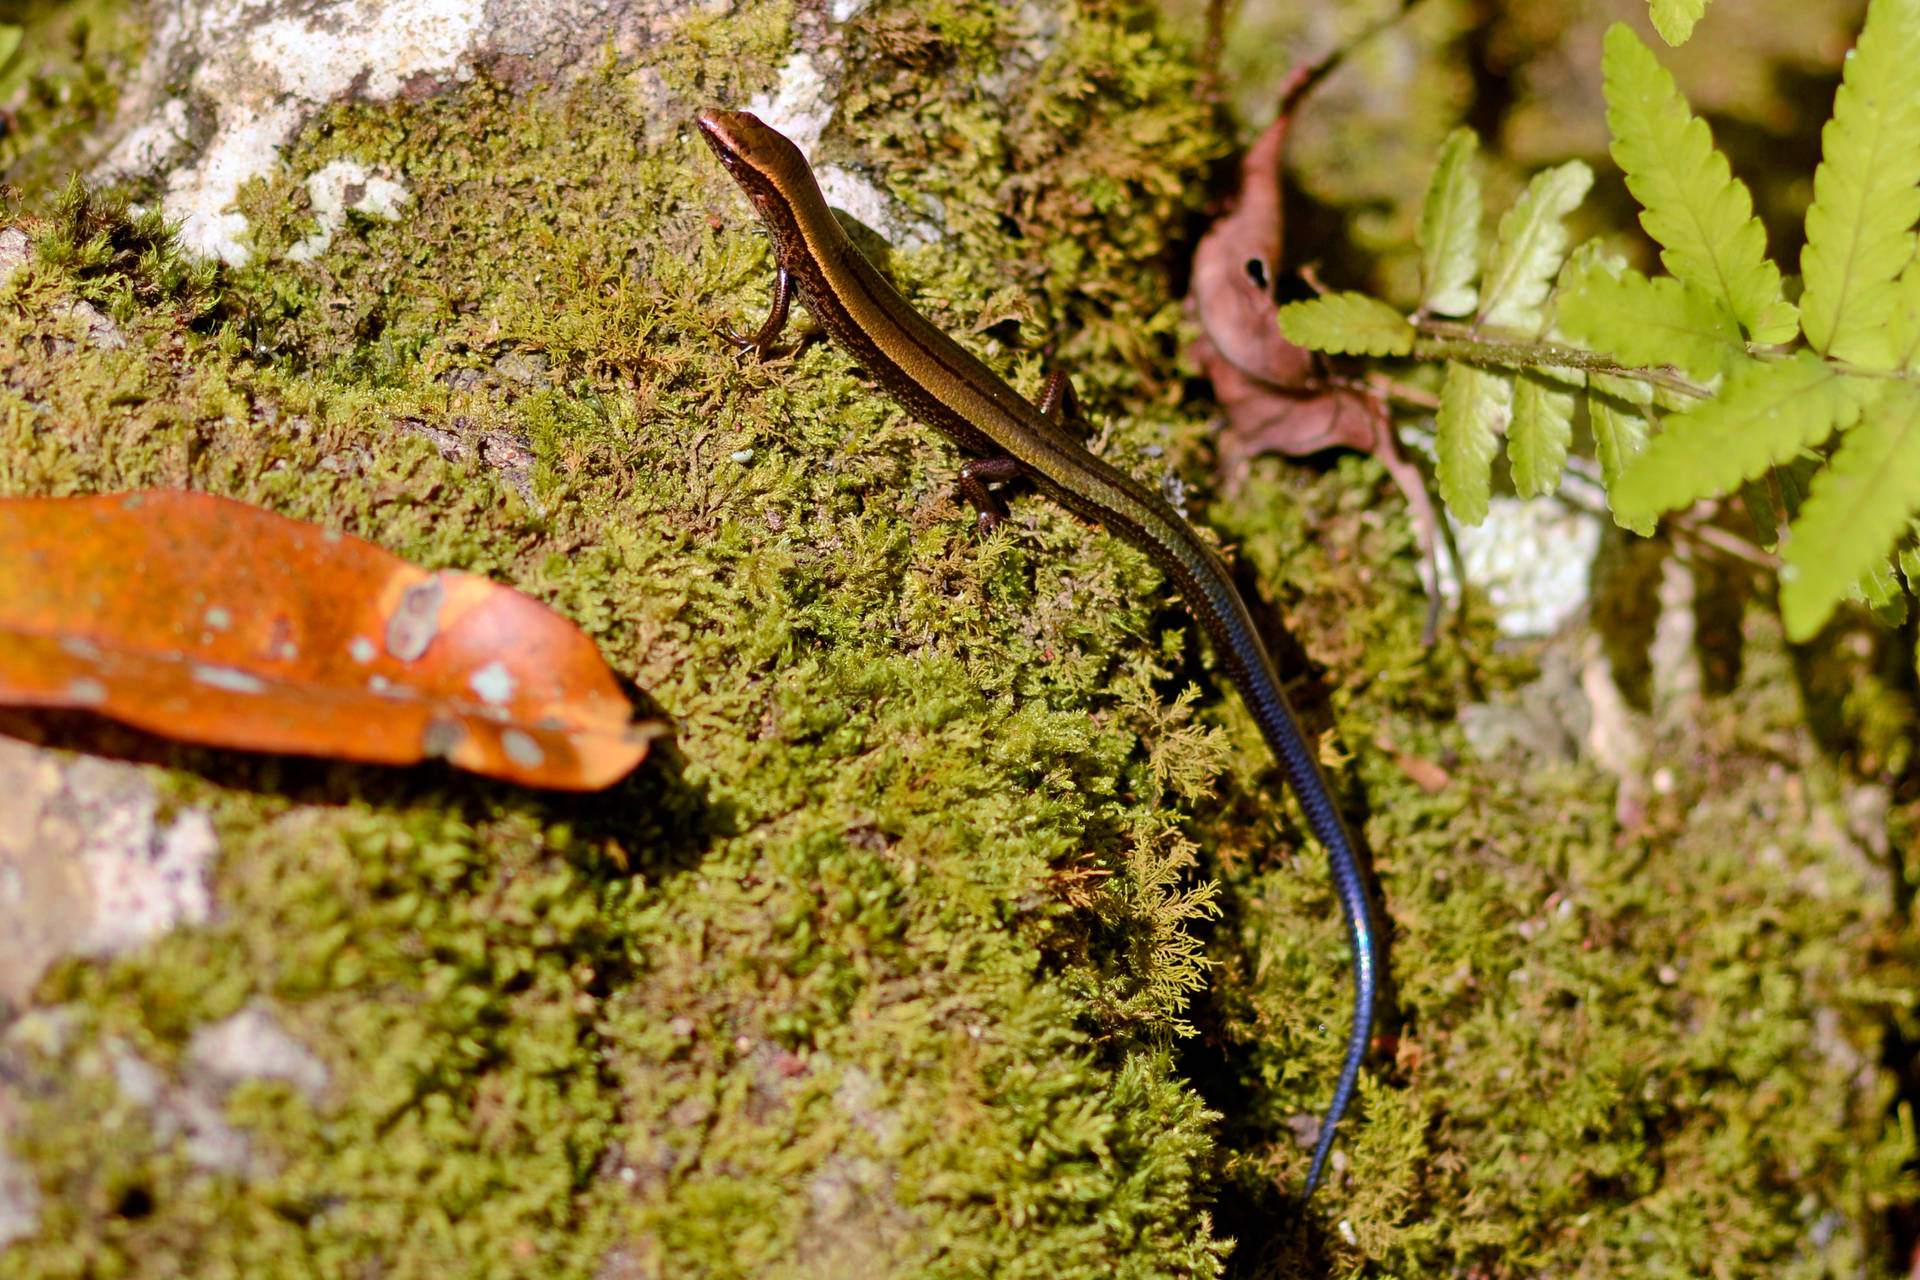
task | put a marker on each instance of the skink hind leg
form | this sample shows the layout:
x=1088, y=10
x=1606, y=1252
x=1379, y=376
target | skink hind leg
x=1057, y=398
x=1059, y=403
x=975, y=476
x=762, y=340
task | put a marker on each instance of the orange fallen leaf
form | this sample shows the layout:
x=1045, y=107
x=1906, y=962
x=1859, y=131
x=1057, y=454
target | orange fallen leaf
x=211, y=621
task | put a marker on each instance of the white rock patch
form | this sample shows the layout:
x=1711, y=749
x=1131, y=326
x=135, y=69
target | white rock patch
x=265, y=69
x=346, y=185
x=1532, y=557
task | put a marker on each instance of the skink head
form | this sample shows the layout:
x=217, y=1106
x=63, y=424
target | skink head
x=760, y=158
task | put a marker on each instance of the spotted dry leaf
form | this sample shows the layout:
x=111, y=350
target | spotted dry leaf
x=211, y=621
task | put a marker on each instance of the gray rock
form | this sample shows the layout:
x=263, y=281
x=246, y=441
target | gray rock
x=14, y=251
x=19, y=1197
x=227, y=83
x=251, y=1045
x=86, y=868
x=99, y=328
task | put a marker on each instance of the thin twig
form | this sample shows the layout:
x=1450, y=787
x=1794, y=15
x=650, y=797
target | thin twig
x=1330, y=61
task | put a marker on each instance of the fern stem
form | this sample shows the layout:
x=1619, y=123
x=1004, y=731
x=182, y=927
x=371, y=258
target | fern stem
x=1448, y=340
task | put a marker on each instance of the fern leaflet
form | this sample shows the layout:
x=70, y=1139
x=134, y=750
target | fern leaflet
x=1648, y=322
x=1909, y=556
x=1347, y=324
x=1475, y=407
x=1530, y=246
x=1618, y=417
x=1764, y=415
x=1865, y=201
x=1674, y=19
x=1859, y=504
x=1449, y=229
x=1690, y=201
x=1539, y=434
x=1879, y=589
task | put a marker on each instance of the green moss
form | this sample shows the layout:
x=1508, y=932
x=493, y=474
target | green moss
x=887, y=965
x=121, y=260
x=890, y=954
x=61, y=86
x=1628, y=1051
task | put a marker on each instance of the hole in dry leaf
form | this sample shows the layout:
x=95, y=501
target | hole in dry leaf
x=227, y=678
x=86, y=691
x=493, y=682
x=134, y=1202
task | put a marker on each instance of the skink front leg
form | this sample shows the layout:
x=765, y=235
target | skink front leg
x=762, y=341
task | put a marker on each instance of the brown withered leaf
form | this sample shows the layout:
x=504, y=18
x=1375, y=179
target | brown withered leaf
x=1430, y=776
x=1278, y=397
x=1236, y=265
x=211, y=621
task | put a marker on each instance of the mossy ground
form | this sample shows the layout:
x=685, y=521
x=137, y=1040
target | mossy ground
x=891, y=962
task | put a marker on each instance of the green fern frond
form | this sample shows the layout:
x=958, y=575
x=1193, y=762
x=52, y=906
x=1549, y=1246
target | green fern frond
x=1347, y=324
x=1475, y=407
x=1449, y=229
x=1764, y=414
x=1674, y=19
x=1879, y=590
x=1618, y=414
x=1539, y=434
x=1908, y=557
x=1648, y=323
x=1691, y=203
x=1530, y=246
x=1859, y=504
x=1903, y=321
x=1865, y=201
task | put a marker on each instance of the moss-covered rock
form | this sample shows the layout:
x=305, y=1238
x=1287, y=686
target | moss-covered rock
x=965, y=929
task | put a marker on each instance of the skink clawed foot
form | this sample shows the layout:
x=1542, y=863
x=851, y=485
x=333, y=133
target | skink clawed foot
x=743, y=344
